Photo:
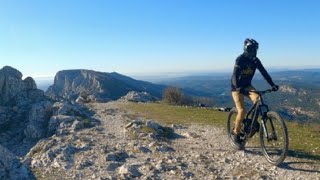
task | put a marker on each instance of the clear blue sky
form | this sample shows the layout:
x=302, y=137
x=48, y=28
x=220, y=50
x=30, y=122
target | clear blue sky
x=147, y=36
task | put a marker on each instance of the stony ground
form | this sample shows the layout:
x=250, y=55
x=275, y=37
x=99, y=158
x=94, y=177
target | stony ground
x=115, y=148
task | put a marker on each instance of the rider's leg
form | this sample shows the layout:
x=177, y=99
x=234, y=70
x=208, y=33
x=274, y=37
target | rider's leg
x=238, y=99
x=252, y=95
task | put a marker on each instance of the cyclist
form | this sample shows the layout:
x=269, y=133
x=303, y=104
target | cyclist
x=244, y=70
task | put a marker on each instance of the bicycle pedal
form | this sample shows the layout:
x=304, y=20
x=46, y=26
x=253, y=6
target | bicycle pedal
x=242, y=135
x=242, y=138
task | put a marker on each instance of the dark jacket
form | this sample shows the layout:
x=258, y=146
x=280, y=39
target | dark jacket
x=244, y=70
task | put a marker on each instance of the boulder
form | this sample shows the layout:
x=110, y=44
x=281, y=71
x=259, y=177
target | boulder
x=149, y=129
x=58, y=123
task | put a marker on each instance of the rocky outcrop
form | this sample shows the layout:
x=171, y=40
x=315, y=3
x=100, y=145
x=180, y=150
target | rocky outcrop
x=64, y=141
x=14, y=90
x=24, y=115
x=39, y=115
x=68, y=118
x=84, y=97
x=97, y=86
x=149, y=129
x=134, y=96
x=27, y=116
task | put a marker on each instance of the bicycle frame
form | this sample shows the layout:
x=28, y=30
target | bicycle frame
x=259, y=108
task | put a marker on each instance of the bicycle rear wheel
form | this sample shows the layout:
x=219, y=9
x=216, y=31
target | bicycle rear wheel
x=275, y=147
x=230, y=121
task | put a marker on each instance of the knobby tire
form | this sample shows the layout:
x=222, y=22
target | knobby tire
x=283, y=131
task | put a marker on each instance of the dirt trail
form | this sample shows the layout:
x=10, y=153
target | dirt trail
x=198, y=152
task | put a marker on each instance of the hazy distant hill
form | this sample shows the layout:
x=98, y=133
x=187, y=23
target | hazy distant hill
x=43, y=84
x=298, y=98
x=68, y=84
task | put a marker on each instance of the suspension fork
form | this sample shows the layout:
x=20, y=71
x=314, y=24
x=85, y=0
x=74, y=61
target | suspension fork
x=273, y=134
x=264, y=127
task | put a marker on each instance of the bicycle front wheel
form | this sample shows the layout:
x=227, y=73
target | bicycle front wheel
x=274, y=139
x=230, y=125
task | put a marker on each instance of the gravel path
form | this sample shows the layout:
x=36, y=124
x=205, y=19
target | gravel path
x=198, y=152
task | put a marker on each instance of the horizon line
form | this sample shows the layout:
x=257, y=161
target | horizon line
x=179, y=73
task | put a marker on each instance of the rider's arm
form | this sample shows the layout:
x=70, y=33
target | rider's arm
x=236, y=74
x=264, y=72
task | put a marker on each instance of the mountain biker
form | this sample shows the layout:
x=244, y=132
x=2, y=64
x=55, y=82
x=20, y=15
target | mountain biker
x=243, y=72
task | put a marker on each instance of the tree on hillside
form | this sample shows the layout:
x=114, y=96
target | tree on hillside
x=172, y=95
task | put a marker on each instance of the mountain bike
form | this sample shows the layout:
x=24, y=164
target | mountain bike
x=272, y=129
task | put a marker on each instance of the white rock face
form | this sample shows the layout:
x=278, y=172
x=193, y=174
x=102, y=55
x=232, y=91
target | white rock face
x=98, y=86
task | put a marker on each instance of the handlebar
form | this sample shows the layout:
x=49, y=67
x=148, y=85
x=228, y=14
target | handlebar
x=263, y=92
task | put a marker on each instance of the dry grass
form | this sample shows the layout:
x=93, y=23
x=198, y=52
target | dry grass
x=304, y=140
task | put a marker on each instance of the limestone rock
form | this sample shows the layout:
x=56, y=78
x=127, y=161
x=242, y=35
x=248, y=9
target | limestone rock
x=6, y=114
x=57, y=124
x=134, y=96
x=39, y=116
x=24, y=111
x=12, y=72
x=84, y=97
x=30, y=83
x=14, y=90
x=98, y=86
x=149, y=129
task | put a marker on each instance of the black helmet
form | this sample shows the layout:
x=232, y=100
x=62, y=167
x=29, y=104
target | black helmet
x=251, y=47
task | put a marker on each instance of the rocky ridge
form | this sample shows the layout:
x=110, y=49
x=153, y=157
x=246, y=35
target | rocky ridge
x=97, y=86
